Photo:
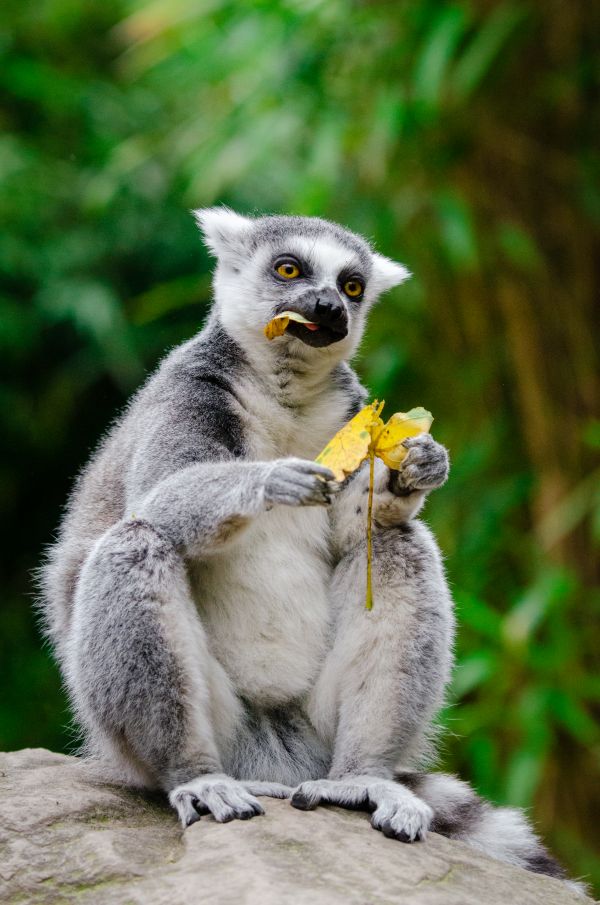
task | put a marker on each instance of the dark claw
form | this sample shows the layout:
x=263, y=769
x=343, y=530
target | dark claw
x=193, y=819
x=300, y=801
x=403, y=837
x=200, y=808
x=388, y=830
x=245, y=815
x=258, y=810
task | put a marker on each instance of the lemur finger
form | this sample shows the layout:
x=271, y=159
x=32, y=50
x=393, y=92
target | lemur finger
x=244, y=805
x=187, y=810
x=201, y=809
x=407, y=821
x=316, y=498
x=423, y=477
x=383, y=819
x=270, y=789
x=315, y=485
x=252, y=803
x=302, y=479
x=388, y=830
x=299, y=484
x=305, y=798
x=230, y=804
x=309, y=467
x=288, y=478
x=418, y=440
x=308, y=486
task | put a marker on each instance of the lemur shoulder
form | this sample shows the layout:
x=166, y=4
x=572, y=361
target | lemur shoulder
x=205, y=596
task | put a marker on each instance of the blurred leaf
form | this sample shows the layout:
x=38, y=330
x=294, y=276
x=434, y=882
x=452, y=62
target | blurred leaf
x=485, y=47
x=441, y=41
x=457, y=231
x=571, y=510
x=573, y=716
x=523, y=777
x=477, y=615
x=526, y=615
x=519, y=248
x=591, y=433
x=471, y=671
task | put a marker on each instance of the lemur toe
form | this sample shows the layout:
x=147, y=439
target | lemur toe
x=388, y=829
x=223, y=797
x=190, y=819
x=268, y=789
x=303, y=802
x=247, y=813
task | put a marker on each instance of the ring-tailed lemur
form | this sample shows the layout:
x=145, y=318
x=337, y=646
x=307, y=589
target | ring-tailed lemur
x=205, y=601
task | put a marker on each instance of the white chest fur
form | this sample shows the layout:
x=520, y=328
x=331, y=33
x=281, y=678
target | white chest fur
x=264, y=600
x=264, y=603
x=274, y=429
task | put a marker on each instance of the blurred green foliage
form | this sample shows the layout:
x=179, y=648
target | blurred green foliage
x=460, y=137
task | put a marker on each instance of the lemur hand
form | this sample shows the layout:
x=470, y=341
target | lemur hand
x=425, y=467
x=299, y=482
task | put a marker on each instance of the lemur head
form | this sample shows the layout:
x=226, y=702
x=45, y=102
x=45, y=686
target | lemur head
x=266, y=265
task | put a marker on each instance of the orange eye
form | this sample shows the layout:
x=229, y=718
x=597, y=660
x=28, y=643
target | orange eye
x=353, y=288
x=288, y=270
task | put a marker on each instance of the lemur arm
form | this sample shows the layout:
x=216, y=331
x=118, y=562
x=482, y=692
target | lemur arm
x=189, y=478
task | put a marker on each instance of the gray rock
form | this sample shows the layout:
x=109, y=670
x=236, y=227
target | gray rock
x=67, y=835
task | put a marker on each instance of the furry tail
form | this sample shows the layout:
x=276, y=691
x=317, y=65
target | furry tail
x=502, y=833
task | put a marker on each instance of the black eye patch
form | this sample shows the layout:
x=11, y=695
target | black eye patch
x=351, y=283
x=288, y=267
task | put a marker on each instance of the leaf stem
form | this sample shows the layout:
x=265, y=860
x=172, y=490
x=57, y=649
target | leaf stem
x=369, y=601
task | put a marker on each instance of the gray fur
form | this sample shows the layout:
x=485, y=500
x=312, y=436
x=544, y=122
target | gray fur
x=205, y=595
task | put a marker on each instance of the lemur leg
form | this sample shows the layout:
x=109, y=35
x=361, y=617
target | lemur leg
x=143, y=681
x=384, y=678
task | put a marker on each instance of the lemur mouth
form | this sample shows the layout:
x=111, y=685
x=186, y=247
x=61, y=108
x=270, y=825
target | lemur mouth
x=315, y=335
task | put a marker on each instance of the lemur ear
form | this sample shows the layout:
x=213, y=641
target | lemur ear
x=224, y=231
x=388, y=273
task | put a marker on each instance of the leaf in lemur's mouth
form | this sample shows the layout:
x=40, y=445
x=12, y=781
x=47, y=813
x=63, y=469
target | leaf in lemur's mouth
x=366, y=436
x=278, y=325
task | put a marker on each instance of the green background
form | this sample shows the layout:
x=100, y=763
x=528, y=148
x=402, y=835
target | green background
x=459, y=136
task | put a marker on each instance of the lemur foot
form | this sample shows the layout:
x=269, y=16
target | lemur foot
x=223, y=797
x=425, y=467
x=397, y=812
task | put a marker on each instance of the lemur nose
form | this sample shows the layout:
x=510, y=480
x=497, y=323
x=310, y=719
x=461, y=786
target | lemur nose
x=329, y=308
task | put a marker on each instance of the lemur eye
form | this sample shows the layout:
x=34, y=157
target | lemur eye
x=353, y=288
x=289, y=270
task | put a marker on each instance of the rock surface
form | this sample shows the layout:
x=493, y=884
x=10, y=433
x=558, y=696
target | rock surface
x=68, y=836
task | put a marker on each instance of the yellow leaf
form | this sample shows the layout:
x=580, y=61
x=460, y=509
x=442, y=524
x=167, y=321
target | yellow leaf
x=350, y=446
x=278, y=325
x=388, y=445
x=367, y=435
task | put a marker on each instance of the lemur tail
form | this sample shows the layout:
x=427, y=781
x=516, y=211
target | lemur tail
x=502, y=833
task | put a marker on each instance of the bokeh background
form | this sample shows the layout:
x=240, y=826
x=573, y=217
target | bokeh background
x=460, y=137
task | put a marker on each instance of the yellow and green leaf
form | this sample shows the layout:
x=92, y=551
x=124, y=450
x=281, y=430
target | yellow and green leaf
x=278, y=325
x=366, y=436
